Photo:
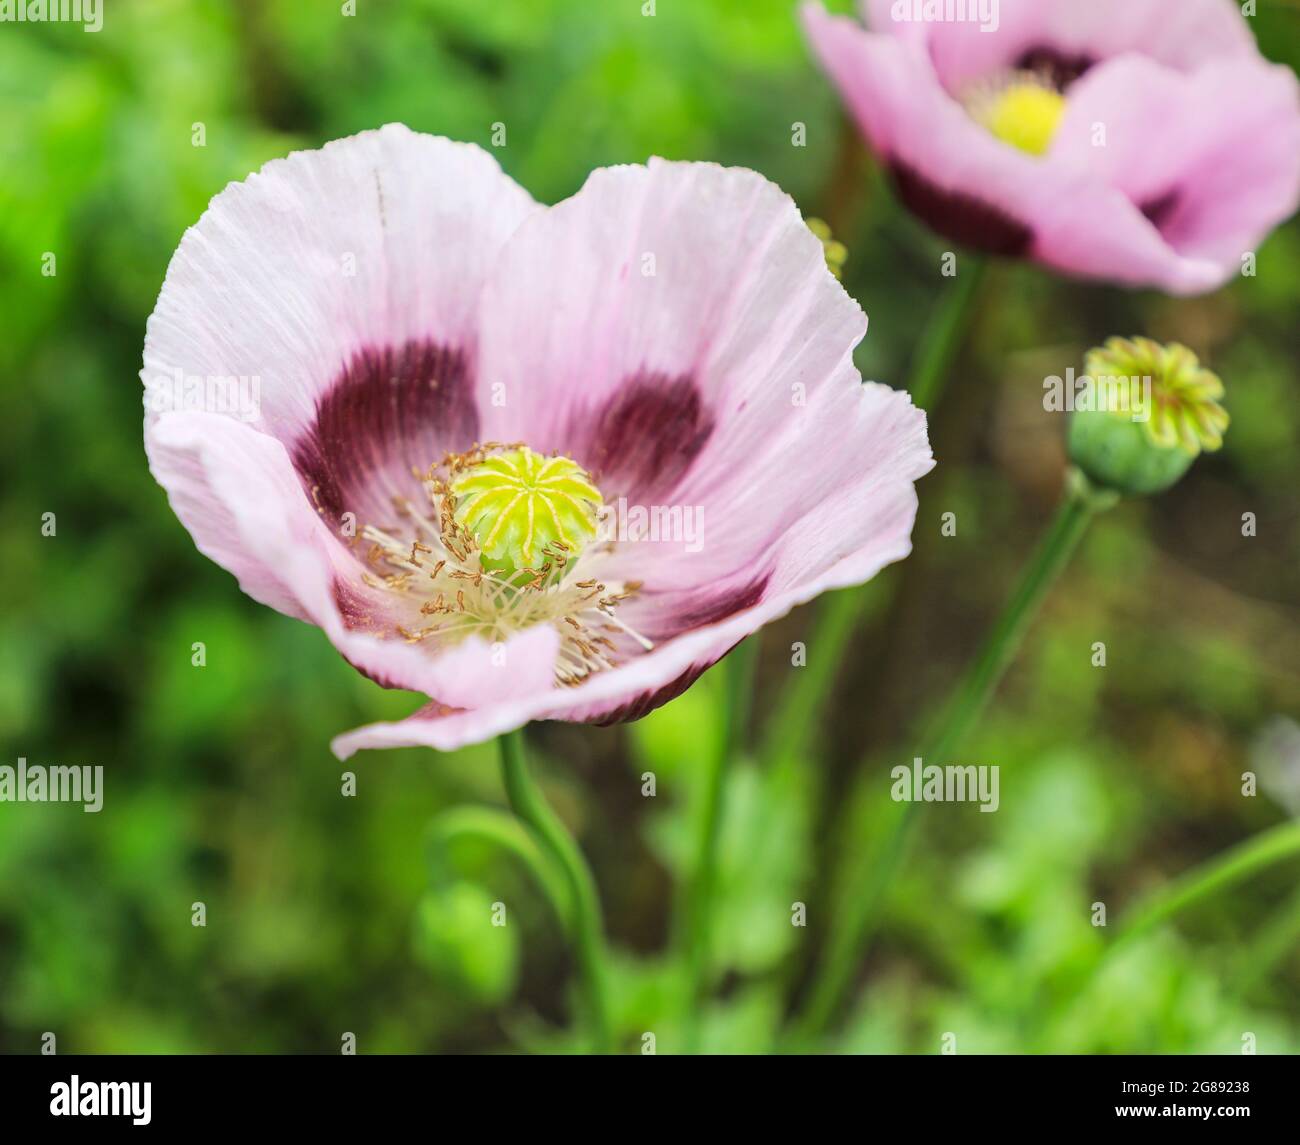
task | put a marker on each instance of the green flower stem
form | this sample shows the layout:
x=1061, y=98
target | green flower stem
x=552, y=836
x=944, y=333
x=1275, y=940
x=497, y=828
x=1233, y=866
x=853, y=922
x=1081, y=502
x=838, y=616
x=738, y=673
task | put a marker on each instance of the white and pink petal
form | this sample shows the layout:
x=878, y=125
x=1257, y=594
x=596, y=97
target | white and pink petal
x=238, y=494
x=1064, y=36
x=346, y=282
x=674, y=328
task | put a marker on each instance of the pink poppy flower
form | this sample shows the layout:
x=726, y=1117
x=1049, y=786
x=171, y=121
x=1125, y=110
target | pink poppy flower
x=687, y=450
x=1144, y=142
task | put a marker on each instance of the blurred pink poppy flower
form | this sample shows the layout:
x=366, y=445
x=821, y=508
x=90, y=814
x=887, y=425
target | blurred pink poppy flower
x=687, y=449
x=1144, y=142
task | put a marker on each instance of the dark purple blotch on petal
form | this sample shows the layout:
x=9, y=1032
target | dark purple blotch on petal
x=646, y=702
x=704, y=608
x=1059, y=68
x=360, y=612
x=643, y=440
x=391, y=409
x=1161, y=209
x=356, y=607
x=961, y=217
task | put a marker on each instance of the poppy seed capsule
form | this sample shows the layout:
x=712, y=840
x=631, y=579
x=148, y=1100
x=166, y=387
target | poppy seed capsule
x=1156, y=409
x=529, y=514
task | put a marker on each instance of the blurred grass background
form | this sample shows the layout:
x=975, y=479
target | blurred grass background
x=323, y=915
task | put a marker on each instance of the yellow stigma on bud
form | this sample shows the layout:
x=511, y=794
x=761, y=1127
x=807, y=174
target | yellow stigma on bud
x=1024, y=112
x=835, y=253
x=1158, y=409
x=528, y=513
x=1185, y=397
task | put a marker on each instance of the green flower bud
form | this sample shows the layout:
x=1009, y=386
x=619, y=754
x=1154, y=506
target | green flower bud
x=1155, y=409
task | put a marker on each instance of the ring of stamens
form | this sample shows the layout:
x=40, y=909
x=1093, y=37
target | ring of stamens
x=436, y=563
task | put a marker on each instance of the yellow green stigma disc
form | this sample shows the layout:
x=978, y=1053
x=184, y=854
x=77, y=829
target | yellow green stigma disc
x=527, y=510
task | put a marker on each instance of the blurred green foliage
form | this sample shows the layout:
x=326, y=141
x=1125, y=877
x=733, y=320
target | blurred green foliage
x=323, y=915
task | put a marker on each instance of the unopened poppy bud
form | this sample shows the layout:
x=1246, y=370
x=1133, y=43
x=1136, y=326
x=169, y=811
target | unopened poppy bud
x=1155, y=408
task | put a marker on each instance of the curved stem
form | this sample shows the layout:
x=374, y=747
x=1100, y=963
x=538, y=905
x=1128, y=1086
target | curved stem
x=738, y=672
x=854, y=923
x=1233, y=866
x=944, y=333
x=1274, y=941
x=530, y=805
x=499, y=829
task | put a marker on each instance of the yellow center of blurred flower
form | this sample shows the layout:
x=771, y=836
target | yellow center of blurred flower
x=1024, y=112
